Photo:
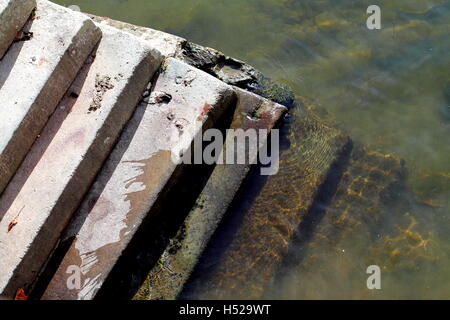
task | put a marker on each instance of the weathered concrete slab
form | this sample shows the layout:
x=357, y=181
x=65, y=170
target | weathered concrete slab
x=64, y=161
x=13, y=16
x=167, y=44
x=262, y=233
x=184, y=101
x=167, y=278
x=35, y=74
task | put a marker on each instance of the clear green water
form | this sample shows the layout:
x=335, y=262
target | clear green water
x=389, y=89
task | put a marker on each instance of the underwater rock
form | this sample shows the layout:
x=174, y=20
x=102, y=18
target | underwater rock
x=445, y=112
x=235, y=72
x=367, y=188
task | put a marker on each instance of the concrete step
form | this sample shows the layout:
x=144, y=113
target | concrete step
x=35, y=74
x=167, y=44
x=13, y=16
x=263, y=232
x=167, y=278
x=183, y=103
x=62, y=164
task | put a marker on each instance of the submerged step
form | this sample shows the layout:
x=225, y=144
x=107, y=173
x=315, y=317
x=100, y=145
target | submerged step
x=364, y=204
x=168, y=276
x=63, y=162
x=262, y=233
x=13, y=16
x=183, y=103
x=34, y=75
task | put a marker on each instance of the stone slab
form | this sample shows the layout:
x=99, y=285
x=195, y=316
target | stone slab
x=35, y=74
x=167, y=278
x=13, y=16
x=63, y=163
x=136, y=173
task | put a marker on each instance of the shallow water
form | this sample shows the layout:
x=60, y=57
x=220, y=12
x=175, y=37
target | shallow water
x=389, y=89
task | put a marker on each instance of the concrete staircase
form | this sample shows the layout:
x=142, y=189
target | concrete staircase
x=93, y=113
x=90, y=114
x=35, y=73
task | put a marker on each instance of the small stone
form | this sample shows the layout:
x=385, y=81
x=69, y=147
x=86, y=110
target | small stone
x=159, y=97
x=179, y=125
x=170, y=116
x=187, y=79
